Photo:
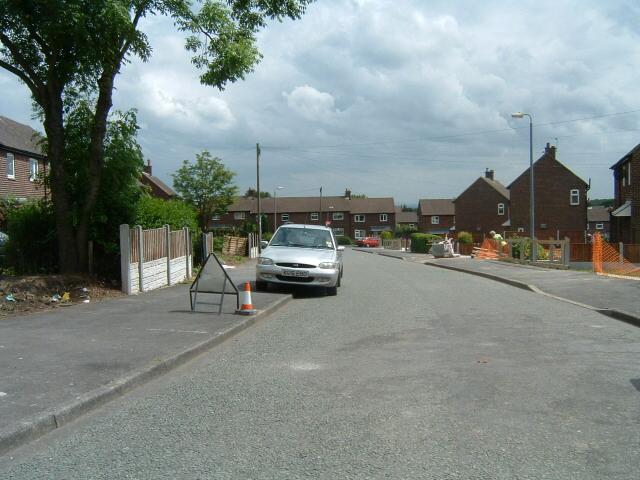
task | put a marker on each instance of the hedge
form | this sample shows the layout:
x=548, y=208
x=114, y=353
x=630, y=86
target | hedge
x=421, y=242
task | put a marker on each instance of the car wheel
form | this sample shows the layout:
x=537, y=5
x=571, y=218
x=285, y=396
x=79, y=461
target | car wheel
x=261, y=286
x=339, y=279
x=331, y=291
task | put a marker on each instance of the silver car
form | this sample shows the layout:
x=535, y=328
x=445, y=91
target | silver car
x=301, y=255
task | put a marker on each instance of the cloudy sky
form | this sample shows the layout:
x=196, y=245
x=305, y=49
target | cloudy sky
x=410, y=99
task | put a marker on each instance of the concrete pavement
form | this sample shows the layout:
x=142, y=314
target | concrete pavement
x=55, y=366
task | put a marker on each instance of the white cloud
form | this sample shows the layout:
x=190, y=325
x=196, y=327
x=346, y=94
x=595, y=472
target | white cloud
x=311, y=104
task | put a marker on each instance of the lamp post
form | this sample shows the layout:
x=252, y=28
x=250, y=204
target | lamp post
x=275, y=205
x=532, y=197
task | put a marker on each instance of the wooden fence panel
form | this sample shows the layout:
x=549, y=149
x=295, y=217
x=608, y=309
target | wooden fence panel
x=155, y=245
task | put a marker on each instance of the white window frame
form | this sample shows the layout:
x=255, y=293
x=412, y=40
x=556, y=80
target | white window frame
x=33, y=169
x=359, y=218
x=315, y=216
x=337, y=216
x=574, y=196
x=384, y=217
x=284, y=217
x=359, y=234
x=599, y=226
x=215, y=217
x=501, y=209
x=338, y=232
x=435, y=219
x=238, y=216
x=11, y=161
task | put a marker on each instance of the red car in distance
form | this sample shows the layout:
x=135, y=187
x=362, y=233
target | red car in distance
x=368, y=242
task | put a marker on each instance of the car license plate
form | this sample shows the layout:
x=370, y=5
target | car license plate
x=295, y=273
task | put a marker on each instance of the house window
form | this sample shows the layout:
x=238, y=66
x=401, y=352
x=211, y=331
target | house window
x=435, y=219
x=33, y=169
x=215, y=217
x=501, y=209
x=11, y=166
x=284, y=217
x=383, y=217
x=338, y=216
x=360, y=234
x=238, y=215
x=626, y=174
x=574, y=197
x=315, y=216
x=338, y=232
x=358, y=218
x=599, y=226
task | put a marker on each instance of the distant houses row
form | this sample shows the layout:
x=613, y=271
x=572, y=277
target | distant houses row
x=485, y=205
x=560, y=207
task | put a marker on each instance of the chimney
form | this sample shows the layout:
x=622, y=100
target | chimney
x=347, y=194
x=550, y=150
x=488, y=174
x=147, y=167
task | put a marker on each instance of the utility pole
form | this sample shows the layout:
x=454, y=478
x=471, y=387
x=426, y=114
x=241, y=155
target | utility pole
x=258, y=193
x=320, y=217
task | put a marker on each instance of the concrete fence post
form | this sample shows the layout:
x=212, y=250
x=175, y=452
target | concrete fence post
x=621, y=260
x=187, y=248
x=125, y=259
x=140, y=258
x=167, y=237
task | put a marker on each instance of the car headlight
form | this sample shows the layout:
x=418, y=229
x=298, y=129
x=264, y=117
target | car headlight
x=328, y=265
x=265, y=261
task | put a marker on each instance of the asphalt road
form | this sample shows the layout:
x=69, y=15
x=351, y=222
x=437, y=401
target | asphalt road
x=410, y=372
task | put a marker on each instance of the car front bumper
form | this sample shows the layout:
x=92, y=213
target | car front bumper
x=317, y=277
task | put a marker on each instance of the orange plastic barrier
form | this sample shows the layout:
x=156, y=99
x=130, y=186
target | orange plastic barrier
x=608, y=261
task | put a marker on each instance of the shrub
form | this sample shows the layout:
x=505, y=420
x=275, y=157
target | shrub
x=421, y=242
x=343, y=240
x=465, y=238
x=218, y=242
x=404, y=231
x=386, y=235
x=32, y=246
x=266, y=236
x=155, y=213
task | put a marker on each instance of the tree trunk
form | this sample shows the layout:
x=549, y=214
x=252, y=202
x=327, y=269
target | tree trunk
x=54, y=128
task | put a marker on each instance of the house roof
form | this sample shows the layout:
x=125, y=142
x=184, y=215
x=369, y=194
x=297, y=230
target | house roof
x=626, y=157
x=623, y=210
x=598, y=214
x=159, y=184
x=21, y=137
x=496, y=185
x=406, y=217
x=312, y=204
x=437, y=206
x=549, y=153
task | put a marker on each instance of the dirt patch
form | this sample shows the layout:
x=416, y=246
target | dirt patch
x=24, y=295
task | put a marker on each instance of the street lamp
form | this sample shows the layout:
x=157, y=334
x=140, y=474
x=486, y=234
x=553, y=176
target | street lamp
x=275, y=215
x=532, y=197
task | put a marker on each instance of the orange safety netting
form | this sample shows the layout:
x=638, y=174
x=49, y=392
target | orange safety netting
x=489, y=250
x=607, y=260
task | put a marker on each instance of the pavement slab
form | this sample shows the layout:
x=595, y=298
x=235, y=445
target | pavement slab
x=62, y=361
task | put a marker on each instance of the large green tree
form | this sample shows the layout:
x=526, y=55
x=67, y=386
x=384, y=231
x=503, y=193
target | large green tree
x=207, y=185
x=58, y=48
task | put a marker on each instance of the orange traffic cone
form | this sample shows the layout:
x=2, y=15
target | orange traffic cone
x=246, y=308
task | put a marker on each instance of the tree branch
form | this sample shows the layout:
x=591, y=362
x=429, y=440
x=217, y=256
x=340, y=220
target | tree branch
x=20, y=74
x=34, y=84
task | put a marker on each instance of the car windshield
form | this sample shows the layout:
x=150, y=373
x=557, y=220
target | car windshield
x=302, y=237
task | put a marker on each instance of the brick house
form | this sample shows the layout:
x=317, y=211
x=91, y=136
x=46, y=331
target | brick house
x=482, y=207
x=436, y=216
x=406, y=219
x=598, y=221
x=625, y=216
x=354, y=217
x=560, y=200
x=22, y=161
x=156, y=187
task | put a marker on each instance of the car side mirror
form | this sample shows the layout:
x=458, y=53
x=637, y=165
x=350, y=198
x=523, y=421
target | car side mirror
x=264, y=244
x=341, y=248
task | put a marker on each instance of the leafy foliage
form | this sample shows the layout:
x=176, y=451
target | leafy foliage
x=206, y=185
x=253, y=193
x=421, y=242
x=404, y=231
x=601, y=202
x=386, y=235
x=155, y=213
x=344, y=240
x=32, y=239
x=465, y=238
